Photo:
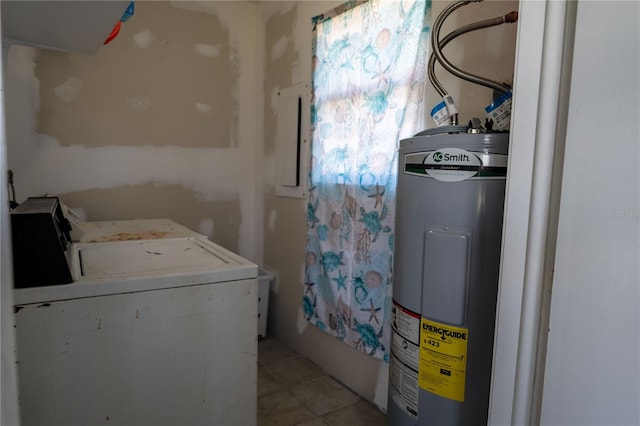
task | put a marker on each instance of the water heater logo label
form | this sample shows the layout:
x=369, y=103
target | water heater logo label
x=438, y=156
x=455, y=164
x=452, y=164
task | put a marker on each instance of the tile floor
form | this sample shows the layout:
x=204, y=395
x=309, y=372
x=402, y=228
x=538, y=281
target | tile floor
x=294, y=391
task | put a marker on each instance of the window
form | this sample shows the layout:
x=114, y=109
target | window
x=369, y=71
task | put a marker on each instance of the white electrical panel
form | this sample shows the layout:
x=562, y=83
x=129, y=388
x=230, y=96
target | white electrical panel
x=292, y=141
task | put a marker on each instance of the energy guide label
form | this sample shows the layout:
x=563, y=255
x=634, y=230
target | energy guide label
x=443, y=359
x=405, y=356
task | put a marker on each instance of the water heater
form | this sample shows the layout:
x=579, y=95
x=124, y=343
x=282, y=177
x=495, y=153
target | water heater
x=449, y=210
x=449, y=207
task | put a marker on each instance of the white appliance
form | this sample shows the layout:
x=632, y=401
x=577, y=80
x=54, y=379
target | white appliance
x=139, y=229
x=450, y=203
x=125, y=230
x=151, y=332
x=146, y=229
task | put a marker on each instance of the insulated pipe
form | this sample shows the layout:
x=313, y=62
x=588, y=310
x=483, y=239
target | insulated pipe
x=502, y=88
x=508, y=18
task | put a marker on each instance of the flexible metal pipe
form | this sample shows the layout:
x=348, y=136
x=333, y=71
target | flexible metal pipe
x=508, y=18
x=435, y=43
x=502, y=88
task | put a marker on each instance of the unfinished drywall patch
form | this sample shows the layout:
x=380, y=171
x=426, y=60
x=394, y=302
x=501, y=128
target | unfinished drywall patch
x=139, y=103
x=144, y=39
x=206, y=50
x=279, y=27
x=45, y=164
x=203, y=109
x=68, y=90
x=153, y=201
x=206, y=226
x=279, y=47
x=140, y=89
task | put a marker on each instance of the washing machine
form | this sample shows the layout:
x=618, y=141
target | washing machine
x=126, y=230
x=150, y=332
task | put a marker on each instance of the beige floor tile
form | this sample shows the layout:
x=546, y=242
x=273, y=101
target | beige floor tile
x=270, y=350
x=281, y=408
x=266, y=383
x=294, y=391
x=323, y=395
x=314, y=422
x=359, y=414
x=291, y=371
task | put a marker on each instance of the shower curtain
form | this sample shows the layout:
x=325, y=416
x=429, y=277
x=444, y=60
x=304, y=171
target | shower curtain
x=369, y=71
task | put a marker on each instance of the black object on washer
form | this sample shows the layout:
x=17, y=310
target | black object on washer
x=41, y=243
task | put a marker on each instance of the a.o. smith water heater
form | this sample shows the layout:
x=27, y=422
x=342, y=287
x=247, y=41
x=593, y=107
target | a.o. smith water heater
x=449, y=212
x=449, y=207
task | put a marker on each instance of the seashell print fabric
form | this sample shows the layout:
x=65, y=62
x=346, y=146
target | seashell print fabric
x=369, y=72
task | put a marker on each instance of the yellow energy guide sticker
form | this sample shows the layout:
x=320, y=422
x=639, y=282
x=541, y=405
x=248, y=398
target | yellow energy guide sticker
x=443, y=359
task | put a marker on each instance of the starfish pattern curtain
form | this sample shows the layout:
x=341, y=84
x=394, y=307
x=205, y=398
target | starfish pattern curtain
x=369, y=71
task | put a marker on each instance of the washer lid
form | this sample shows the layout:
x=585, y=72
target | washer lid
x=150, y=257
x=131, y=266
x=139, y=229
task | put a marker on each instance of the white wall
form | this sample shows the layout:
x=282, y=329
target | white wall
x=571, y=226
x=592, y=372
x=8, y=382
